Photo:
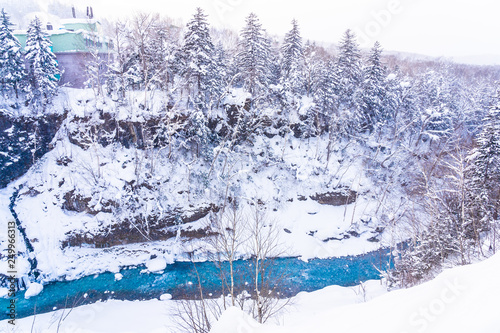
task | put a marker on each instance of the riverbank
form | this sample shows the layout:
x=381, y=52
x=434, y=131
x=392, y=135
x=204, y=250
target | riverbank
x=460, y=300
x=181, y=281
x=154, y=316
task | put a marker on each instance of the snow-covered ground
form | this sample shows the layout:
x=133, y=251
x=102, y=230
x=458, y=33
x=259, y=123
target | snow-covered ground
x=461, y=299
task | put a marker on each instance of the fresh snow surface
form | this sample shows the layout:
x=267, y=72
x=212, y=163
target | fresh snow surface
x=461, y=299
x=159, y=316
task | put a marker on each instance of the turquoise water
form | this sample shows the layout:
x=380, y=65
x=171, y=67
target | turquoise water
x=290, y=275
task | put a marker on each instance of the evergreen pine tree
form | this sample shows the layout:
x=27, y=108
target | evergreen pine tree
x=293, y=60
x=326, y=97
x=163, y=47
x=374, y=88
x=198, y=55
x=198, y=134
x=254, y=55
x=434, y=97
x=42, y=66
x=313, y=68
x=350, y=80
x=217, y=78
x=485, y=173
x=349, y=65
x=12, y=70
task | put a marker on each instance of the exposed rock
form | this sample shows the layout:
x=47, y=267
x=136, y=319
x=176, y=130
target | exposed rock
x=23, y=141
x=333, y=238
x=75, y=203
x=234, y=112
x=109, y=130
x=136, y=231
x=338, y=197
x=353, y=233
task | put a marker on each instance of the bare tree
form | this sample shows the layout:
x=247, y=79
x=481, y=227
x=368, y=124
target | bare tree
x=263, y=246
x=229, y=226
x=95, y=59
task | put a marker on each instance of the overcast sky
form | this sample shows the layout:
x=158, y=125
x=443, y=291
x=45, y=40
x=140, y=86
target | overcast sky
x=431, y=27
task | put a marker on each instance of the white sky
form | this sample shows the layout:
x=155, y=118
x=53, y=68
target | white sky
x=431, y=27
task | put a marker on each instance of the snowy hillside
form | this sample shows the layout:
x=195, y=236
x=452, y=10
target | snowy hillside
x=76, y=203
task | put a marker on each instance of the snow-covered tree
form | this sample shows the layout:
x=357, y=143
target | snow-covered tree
x=12, y=70
x=198, y=134
x=141, y=72
x=326, y=97
x=43, y=70
x=163, y=48
x=218, y=74
x=435, y=101
x=401, y=104
x=485, y=173
x=198, y=52
x=116, y=82
x=350, y=80
x=374, y=88
x=254, y=56
x=350, y=69
x=293, y=60
x=313, y=67
x=94, y=63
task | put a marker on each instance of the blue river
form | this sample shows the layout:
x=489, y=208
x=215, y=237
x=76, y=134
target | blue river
x=290, y=276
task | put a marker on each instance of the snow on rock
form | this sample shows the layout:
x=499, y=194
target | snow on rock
x=118, y=277
x=165, y=297
x=33, y=290
x=156, y=265
x=238, y=97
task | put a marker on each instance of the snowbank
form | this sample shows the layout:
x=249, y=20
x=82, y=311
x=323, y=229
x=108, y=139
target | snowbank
x=462, y=299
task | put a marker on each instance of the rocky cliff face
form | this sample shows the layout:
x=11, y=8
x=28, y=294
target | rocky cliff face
x=125, y=183
x=23, y=141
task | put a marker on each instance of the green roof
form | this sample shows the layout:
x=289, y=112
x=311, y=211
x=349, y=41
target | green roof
x=76, y=36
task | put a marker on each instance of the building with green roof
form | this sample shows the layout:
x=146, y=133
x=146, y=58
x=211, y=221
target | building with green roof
x=72, y=44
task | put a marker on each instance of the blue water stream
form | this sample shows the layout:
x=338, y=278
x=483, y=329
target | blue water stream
x=290, y=275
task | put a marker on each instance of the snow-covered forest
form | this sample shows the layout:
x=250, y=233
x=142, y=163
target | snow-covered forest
x=196, y=143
